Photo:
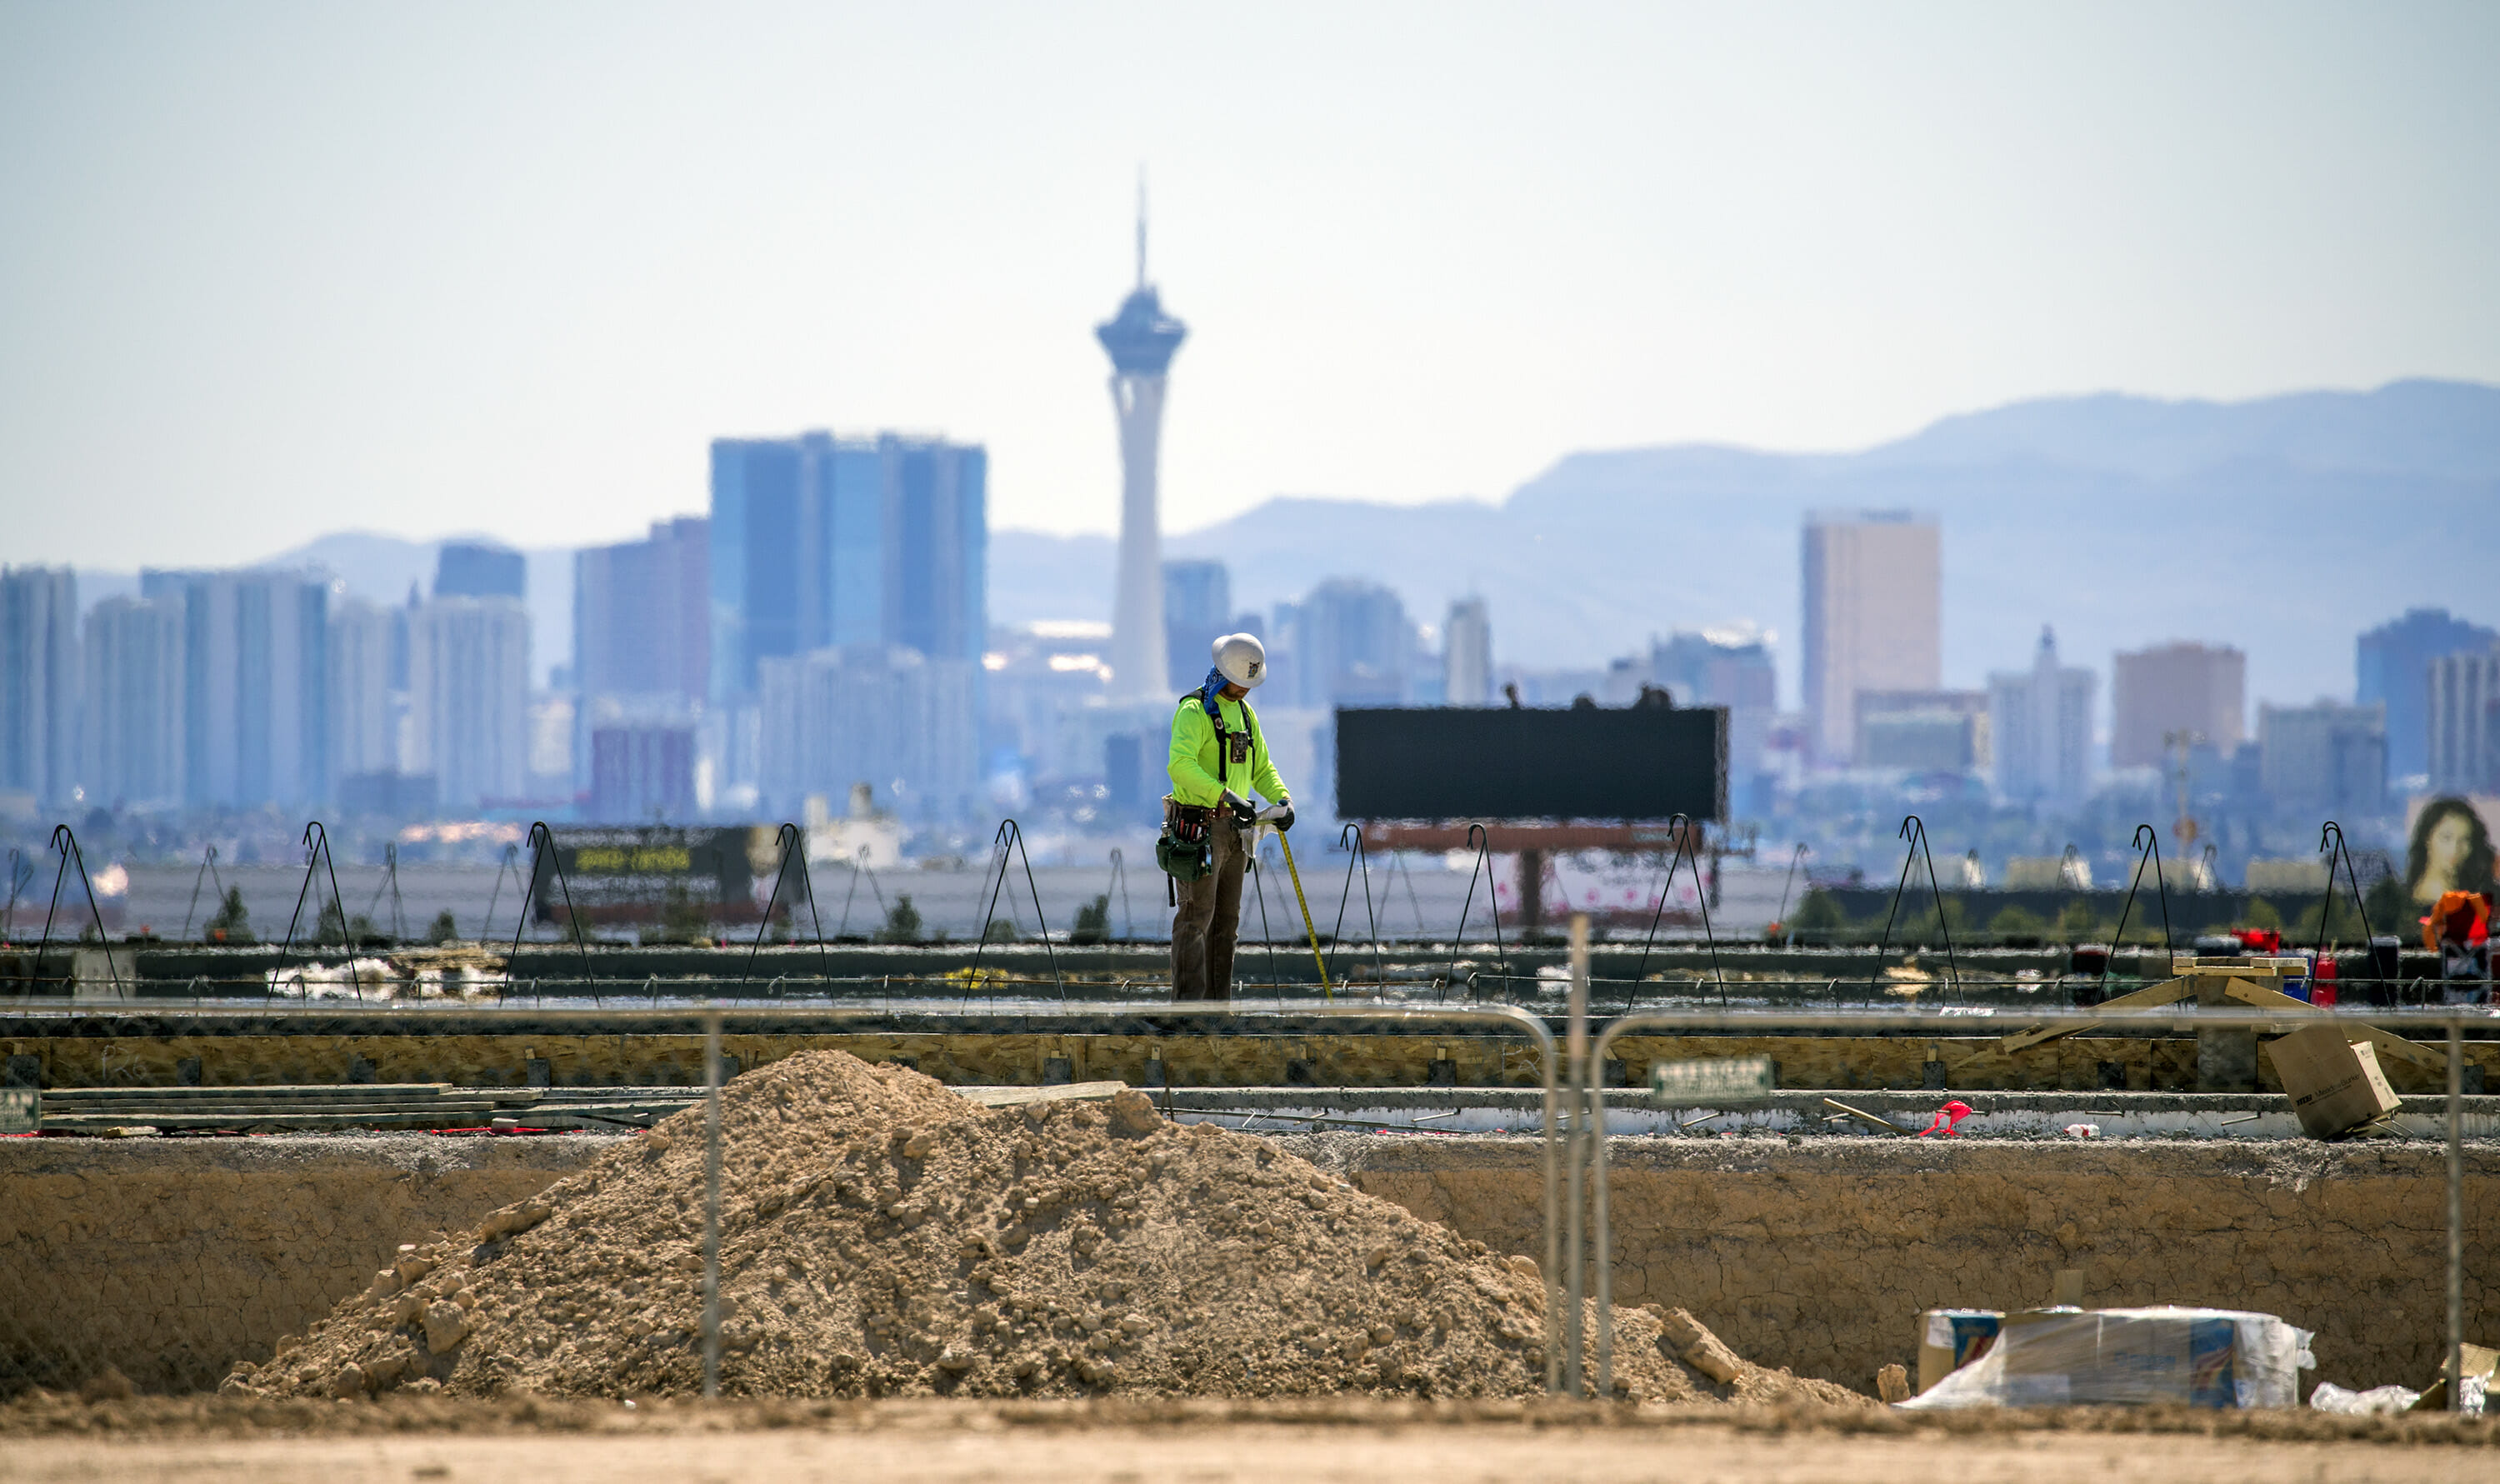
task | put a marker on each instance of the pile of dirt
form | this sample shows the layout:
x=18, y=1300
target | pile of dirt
x=883, y=1236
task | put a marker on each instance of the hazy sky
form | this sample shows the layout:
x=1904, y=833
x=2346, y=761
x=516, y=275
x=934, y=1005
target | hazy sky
x=269, y=271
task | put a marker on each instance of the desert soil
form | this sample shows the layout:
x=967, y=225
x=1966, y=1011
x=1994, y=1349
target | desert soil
x=971, y=1444
x=882, y=1236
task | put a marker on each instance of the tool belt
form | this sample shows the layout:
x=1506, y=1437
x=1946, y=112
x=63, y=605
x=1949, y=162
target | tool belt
x=1186, y=850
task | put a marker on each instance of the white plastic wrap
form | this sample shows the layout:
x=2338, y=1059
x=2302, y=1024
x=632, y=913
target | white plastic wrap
x=2127, y=1357
x=2377, y=1400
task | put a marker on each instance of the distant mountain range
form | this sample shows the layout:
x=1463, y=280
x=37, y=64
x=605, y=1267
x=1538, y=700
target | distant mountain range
x=2285, y=525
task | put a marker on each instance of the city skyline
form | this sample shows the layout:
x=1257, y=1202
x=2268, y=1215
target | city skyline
x=2143, y=455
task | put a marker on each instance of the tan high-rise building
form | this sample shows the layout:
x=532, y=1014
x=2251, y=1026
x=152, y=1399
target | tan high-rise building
x=2176, y=687
x=1874, y=592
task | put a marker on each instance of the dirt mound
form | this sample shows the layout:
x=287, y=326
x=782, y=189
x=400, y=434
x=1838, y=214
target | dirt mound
x=882, y=1236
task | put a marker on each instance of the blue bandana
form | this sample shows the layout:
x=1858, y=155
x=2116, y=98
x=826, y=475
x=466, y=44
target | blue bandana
x=1207, y=692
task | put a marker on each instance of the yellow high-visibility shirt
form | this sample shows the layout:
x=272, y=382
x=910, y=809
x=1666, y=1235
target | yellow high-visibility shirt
x=1195, y=754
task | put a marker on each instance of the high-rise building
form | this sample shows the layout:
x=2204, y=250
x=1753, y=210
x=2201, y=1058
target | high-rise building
x=815, y=540
x=255, y=685
x=1351, y=643
x=1141, y=339
x=1729, y=668
x=364, y=706
x=469, y=699
x=2040, y=729
x=133, y=703
x=2328, y=757
x=757, y=553
x=1197, y=608
x=2463, y=695
x=936, y=551
x=39, y=681
x=554, y=734
x=639, y=774
x=641, y=614
x=1926, y=731
x=474, y=569
x=1873, y=615
x=1466, y=654
x=883, y=714
x=2392, y=665
x=2176, y=689
x=820, y=544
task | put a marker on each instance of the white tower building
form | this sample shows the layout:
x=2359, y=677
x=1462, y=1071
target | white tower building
x=1466, y=654
x=1140, y=338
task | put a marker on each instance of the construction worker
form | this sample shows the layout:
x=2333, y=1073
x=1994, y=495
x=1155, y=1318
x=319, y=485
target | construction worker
x=1219, y=757
x=2459, y=930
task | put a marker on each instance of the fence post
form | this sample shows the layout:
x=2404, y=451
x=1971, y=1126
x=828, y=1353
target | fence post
x=1576, y=1181
x=712, y=1205
x=2455, y=1211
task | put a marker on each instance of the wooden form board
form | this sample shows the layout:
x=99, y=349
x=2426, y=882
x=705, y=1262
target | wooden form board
x=2140, y=1059
x=2213, y=985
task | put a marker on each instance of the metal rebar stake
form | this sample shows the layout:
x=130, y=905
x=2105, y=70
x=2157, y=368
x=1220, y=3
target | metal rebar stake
x=2455, y=1214
x=712, y=1205
x=1576, y=1161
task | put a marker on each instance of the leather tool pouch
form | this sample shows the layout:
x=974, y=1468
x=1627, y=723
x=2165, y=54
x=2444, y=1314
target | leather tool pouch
x=1186, y=850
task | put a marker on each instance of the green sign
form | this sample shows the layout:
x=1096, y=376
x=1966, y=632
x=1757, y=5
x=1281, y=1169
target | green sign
x=20, y=1110
x=1723, y=1080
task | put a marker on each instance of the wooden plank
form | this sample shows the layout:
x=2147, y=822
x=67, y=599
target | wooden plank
x=2167, y=992
x=2247, y=993
x=2410, y=1050
x=351, y=1092
x=84, y=1122
x=2258, y=996
x=1864, y=1116
x=1017, y=1096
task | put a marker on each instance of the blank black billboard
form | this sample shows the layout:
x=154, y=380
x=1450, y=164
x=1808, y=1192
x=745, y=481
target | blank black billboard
x=1592, y=762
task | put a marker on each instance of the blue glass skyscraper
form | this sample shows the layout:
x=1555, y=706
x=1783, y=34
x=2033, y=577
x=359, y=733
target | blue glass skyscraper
x=756, y=559
x=2392, y=664
x=819, y=540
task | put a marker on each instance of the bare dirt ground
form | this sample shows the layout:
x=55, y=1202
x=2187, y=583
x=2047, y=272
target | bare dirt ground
x=1356, y=1441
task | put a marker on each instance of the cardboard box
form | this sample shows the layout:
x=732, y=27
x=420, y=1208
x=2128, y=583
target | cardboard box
x=2481, y=1363
x=2334, y=1083
x=1950, y=1338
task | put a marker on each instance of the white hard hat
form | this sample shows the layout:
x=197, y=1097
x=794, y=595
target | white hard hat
x=1242, y=659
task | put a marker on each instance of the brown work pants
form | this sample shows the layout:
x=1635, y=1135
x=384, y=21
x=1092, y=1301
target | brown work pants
x=1209, y=920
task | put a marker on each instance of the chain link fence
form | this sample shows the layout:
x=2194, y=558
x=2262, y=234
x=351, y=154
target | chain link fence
x=210, y=1179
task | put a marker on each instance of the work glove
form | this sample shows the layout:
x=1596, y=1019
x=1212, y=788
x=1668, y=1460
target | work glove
x=1242, y=813
x=1284, y=819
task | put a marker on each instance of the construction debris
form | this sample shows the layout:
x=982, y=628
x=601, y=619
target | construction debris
x=2064, y=1357
x=1700, y=1349
x=2334, y=1082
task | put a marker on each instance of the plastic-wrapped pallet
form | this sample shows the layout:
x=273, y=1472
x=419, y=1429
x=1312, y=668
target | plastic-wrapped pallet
x=2128, y=1357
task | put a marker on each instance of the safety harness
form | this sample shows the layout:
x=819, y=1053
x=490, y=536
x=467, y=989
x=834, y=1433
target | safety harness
x=1185, y=852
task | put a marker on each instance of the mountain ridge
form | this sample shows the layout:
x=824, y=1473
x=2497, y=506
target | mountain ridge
x=2285, y=524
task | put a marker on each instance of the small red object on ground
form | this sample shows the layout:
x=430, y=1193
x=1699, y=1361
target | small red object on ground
x=1948, y=1119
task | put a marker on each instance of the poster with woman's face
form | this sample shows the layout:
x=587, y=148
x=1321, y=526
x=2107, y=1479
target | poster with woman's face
x=2448, y=845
